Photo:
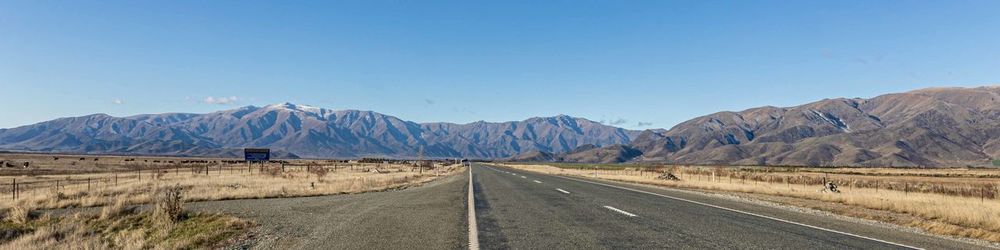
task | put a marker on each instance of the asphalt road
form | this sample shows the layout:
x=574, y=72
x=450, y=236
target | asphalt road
x=523, y=210
x=431, y=216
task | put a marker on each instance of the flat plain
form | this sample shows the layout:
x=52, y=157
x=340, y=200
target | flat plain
x=118, y=184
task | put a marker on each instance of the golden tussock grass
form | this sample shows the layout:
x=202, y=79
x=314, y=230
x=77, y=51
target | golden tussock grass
x=99, y=189
x=119, y=183
x=116, y=227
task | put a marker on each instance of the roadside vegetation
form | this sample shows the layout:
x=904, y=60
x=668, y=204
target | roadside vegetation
x=955, y=202
x=221, y=182
x=129, y=203
x=165, y=225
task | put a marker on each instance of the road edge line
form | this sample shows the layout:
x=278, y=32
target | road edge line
x=473, y=229
x=743, y=212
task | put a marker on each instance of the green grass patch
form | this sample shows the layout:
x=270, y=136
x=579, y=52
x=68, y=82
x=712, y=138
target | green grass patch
x=996, y=163
x=11, y=230
x=203, y=230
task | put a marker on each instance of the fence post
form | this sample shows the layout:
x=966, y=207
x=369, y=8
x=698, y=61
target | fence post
x=88, y=184
x=13, y=191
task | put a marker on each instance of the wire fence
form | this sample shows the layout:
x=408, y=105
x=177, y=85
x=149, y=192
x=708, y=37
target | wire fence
x=972, y=190
x=15, y=187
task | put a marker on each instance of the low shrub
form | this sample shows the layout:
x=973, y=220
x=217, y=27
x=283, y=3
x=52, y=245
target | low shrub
x=169, y=204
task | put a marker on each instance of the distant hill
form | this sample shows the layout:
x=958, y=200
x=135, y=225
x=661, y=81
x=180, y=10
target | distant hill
x=927, y=127
x=535, y=156
x=307, y=131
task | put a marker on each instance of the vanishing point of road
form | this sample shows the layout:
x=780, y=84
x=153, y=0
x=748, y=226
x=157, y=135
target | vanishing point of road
x=514, y=209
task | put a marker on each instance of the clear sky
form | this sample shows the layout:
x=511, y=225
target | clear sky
x=634, y=64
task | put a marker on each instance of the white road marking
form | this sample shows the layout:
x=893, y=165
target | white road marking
x=536, y=181
x=620, y=211
x=743, y=212
x=524, y=177
x=473, y=230
x=563, y=191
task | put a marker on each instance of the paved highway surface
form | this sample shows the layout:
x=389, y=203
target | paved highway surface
x=432, y=216
x=523, y=210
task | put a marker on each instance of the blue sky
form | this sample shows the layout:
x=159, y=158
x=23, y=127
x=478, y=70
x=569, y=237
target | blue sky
x=635, y=64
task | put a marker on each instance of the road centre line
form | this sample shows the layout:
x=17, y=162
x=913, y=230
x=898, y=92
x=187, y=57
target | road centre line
x=620, y=211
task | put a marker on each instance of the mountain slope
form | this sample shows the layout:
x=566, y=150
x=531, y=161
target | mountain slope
x=307, y=131
x=928, y=127
x=551, y=134
x=103, y=133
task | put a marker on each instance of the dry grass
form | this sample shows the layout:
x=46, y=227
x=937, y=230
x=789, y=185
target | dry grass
x=116, y=227
x=218, y=184
x=956, y=215
x=118, y=183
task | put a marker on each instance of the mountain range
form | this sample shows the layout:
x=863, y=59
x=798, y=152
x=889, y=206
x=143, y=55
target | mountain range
x=927, y=127
x=305, y=131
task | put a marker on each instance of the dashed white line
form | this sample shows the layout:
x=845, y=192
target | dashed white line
x=525, y=177
x=743, y=212
x=536, y=181
x=620, y=211
x=563, y=191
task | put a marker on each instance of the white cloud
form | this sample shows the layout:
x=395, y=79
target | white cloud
x=827, y=53
x=118, y=101
x=617, y=122
x=221, y=100
x=643, y=124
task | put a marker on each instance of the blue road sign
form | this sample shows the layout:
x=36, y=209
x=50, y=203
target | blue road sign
x=256, y=154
